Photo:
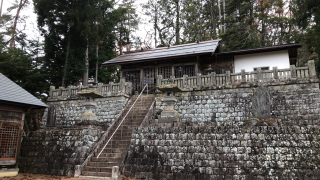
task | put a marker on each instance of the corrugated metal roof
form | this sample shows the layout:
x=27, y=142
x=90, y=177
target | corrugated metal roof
x=11, y=92
x=166, y=52
x=262, y=49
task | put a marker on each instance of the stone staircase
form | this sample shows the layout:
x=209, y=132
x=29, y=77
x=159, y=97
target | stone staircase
x=113, y=153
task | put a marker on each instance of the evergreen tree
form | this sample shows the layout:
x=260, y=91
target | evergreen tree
x=78, y=34
x=307, y=17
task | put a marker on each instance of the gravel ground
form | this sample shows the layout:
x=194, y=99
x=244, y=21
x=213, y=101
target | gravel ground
x=28, y=176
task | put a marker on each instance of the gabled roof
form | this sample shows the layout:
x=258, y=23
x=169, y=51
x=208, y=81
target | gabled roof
x=205, y=47
x=12, y=93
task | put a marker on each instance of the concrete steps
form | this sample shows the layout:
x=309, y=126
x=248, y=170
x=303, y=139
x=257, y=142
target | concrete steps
x=113, y=153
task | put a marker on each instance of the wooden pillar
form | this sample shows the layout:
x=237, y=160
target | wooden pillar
x=196, y=69
x=172, y=70
x=141, y=79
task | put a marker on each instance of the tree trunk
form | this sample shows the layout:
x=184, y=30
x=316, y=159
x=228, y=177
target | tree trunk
x=97, y=51
x=251, y=20
x=178, y=23
x=224, y=15
x=21, y=4
x=212, y=20
x=219, y=14
x=86, y=74
x=66, y=63
x=1, y=8
x=155, y=28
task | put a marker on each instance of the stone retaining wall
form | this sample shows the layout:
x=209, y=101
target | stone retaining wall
x=56, y=152
x=67, y=113
x=294, y=104
x=229, y=152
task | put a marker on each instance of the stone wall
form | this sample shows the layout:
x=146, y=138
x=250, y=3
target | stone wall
x=226, y=152
x=67, y=113
x=56, y=152
x=293, y=104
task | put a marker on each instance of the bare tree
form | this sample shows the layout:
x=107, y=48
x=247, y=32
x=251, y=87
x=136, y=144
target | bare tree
x=21, y=4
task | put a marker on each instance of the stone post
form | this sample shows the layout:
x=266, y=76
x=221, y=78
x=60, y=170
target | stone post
x=312, y=69
x=99, y=87
x=275, y=72
x=199, y=79
x=185, y=81
x=52, y=88
x=293, y=71
x=213, y=78
x=109, y=92
x=228, y=78
x=77, y=171
x=60, y=91
x=115, y=173
x=122, y=86
x=243, y=75
x=259, y=75
x=159, y=79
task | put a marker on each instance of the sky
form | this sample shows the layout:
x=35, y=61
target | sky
x=31, y=19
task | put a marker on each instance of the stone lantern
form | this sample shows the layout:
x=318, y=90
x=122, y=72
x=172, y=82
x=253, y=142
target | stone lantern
x=89, y=104
x=169, y=115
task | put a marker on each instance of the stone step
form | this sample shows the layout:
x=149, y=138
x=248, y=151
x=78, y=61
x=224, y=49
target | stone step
x=119, y=142
x=125, y=133
x=101, y=174
x=117, y=136
x=114, y=146
x=112, y=150
x=107, y=168
x=104, y=163
x=106, y=156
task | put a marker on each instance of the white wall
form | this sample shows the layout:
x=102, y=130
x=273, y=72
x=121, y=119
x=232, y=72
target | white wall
x=268, y=59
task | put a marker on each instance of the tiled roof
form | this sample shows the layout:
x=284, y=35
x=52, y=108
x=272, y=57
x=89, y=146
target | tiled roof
x=11, y=92
x=166, y=52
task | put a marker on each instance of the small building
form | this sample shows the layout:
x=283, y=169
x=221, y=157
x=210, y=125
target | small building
x=14, y=103
x=144, y=66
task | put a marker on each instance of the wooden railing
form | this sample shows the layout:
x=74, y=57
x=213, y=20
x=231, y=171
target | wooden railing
x=111, y=89
x=272, y=76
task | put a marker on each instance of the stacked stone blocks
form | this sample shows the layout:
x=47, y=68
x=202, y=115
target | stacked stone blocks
x=226, y=152
x=56, y=152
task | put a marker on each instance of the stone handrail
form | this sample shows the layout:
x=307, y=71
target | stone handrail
x=231, y=80
x=111, y=89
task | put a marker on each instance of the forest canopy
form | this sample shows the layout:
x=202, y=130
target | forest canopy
x=79, y=35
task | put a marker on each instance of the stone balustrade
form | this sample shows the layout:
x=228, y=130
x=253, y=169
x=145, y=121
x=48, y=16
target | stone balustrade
x=243, y=79
x=106, y=90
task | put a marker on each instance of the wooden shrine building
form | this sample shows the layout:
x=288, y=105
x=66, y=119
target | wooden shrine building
x=143, y=66
x=14, y=103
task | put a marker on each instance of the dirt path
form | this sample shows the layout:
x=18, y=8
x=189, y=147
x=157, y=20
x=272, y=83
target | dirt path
x=28, y=176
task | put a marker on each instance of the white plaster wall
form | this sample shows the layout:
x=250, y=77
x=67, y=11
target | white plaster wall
x=268, y=59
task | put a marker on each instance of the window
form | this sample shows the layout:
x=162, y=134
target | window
x=150, y=78
x=166, y=72
x=179, y=71
x=262, y=68
x=134, y=78
x=9, y=138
